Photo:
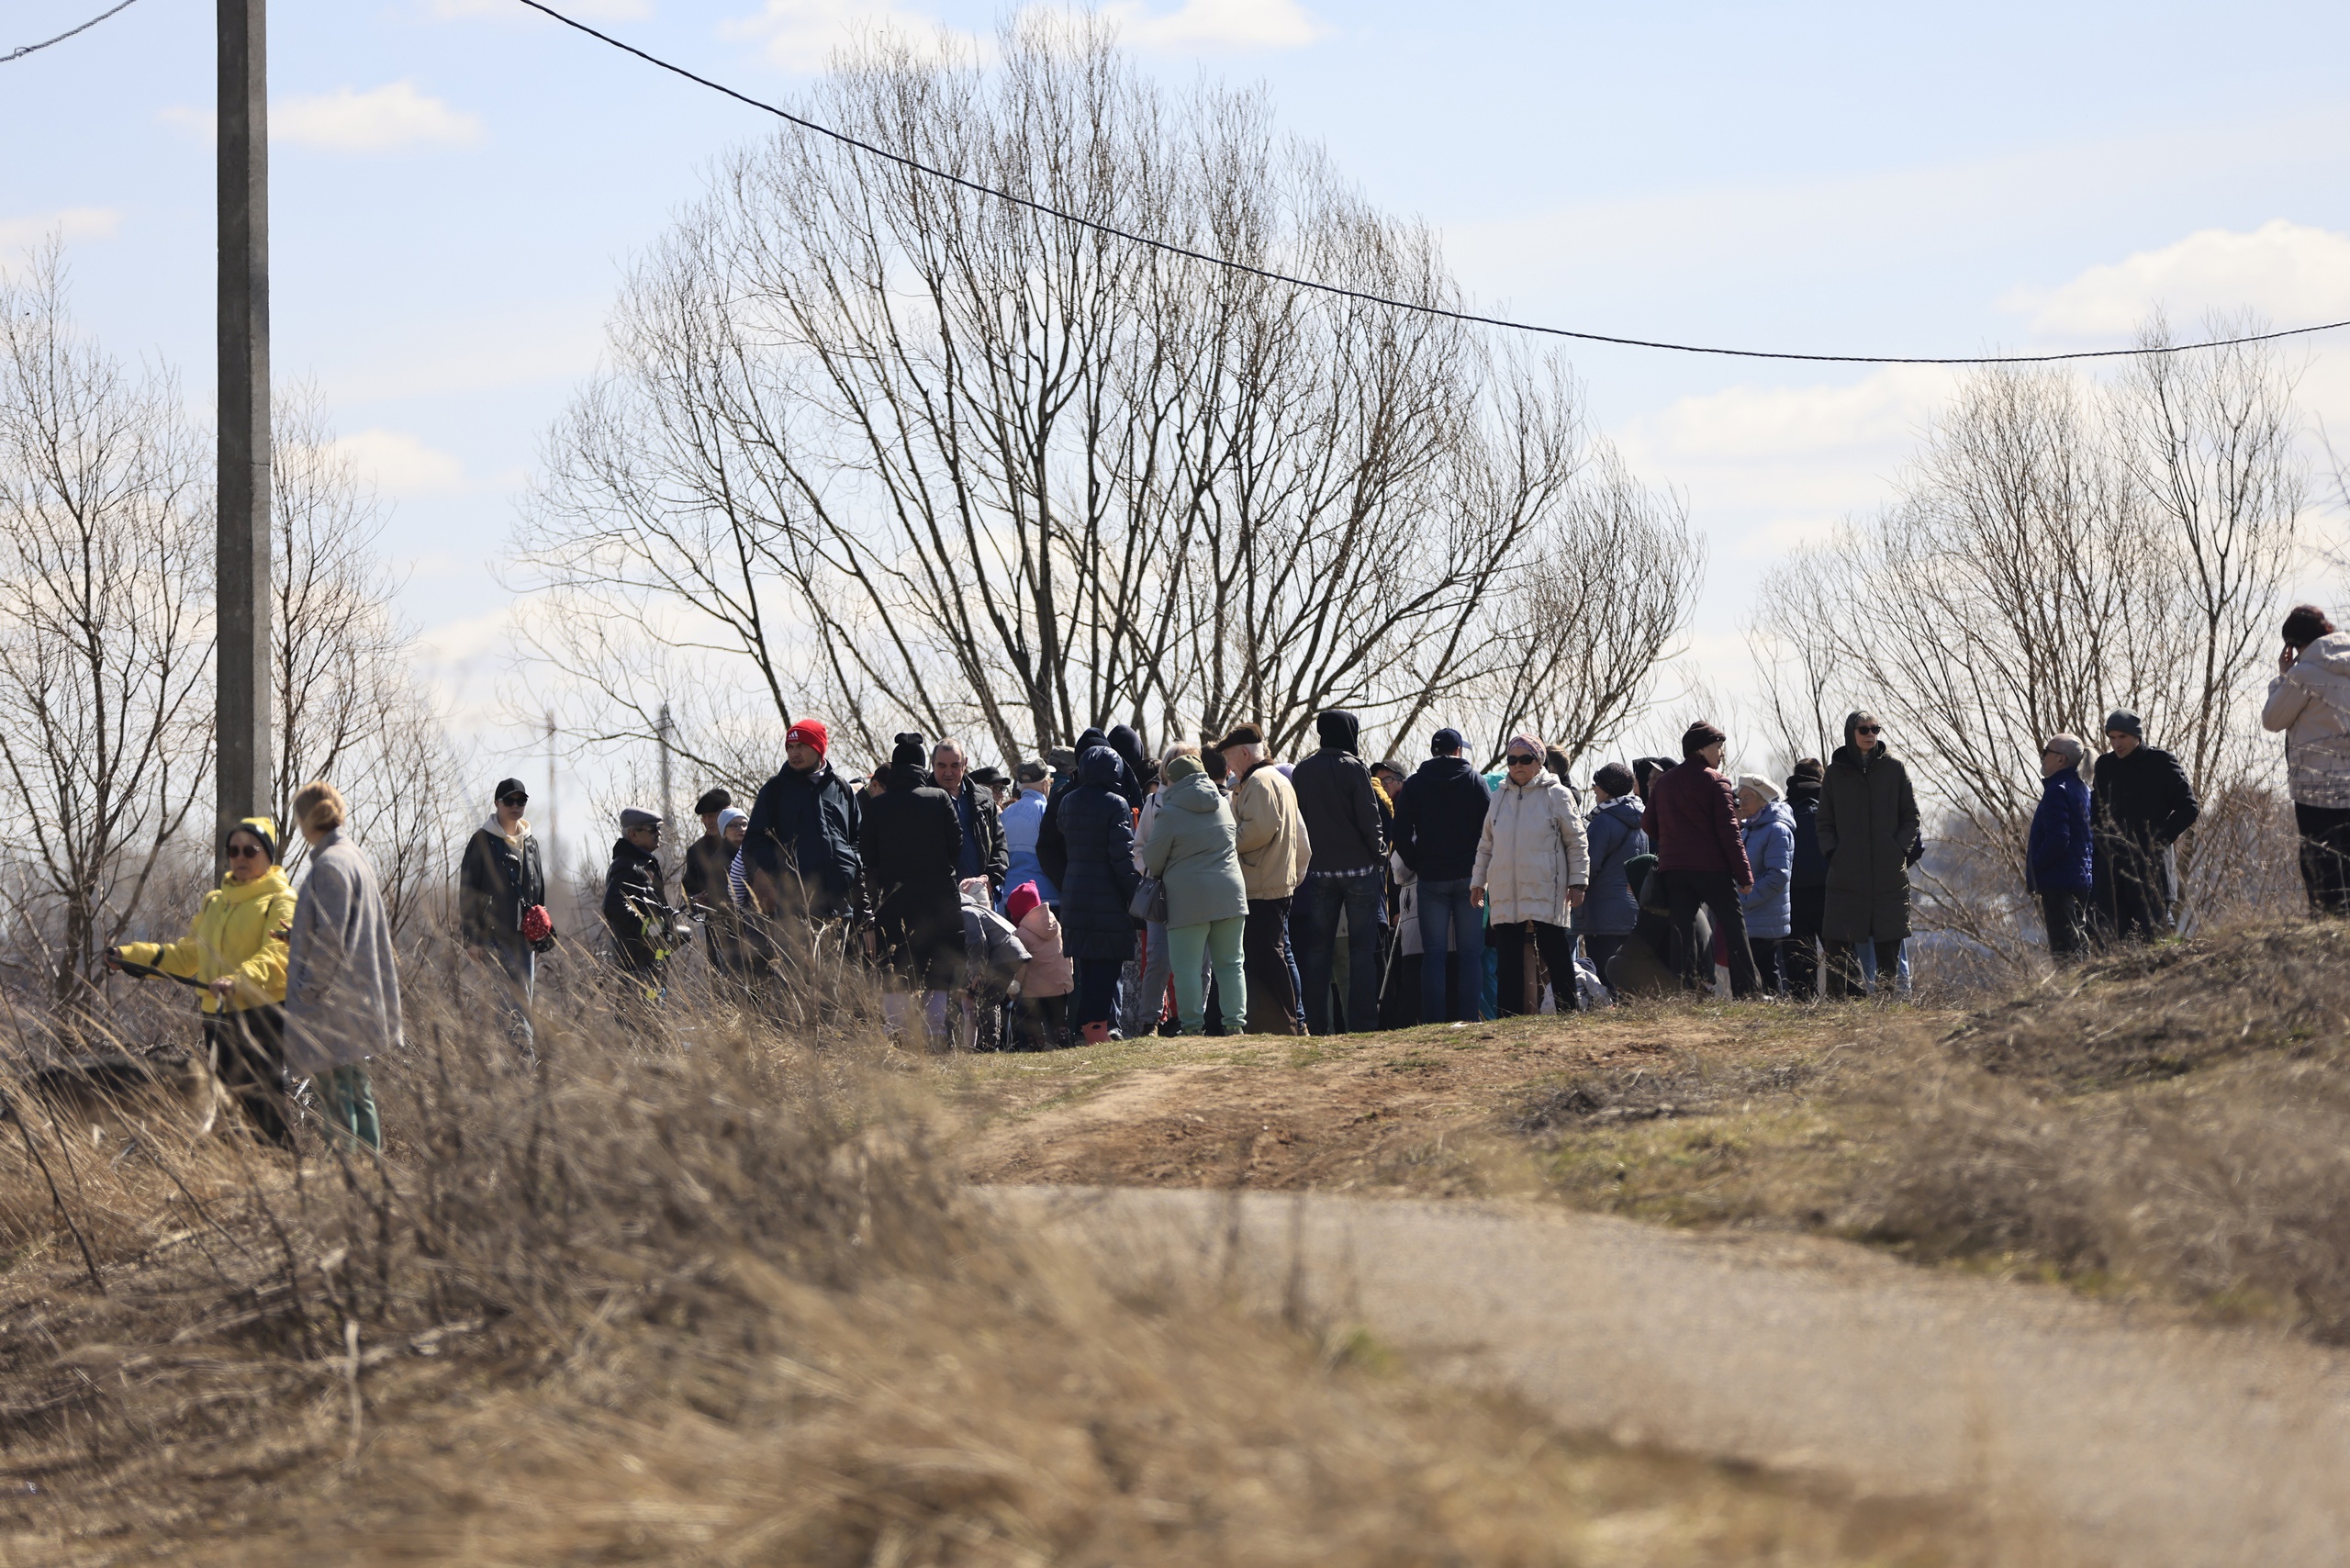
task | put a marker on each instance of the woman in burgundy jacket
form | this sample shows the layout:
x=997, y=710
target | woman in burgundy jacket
x=1692, y=822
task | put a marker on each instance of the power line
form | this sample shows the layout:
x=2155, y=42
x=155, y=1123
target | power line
x=1341, y=291
x=86, y=26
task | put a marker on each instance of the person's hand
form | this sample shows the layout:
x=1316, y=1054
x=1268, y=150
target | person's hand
x=1476, y=898
x=114, y=961
x=1575, y=897
x=224, y=987
x=283, y=932
x=872, y=942
x=2285, y=660
x=1744, y=888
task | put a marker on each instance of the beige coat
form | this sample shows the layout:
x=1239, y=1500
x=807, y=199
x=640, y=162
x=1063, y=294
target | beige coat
x=1532, y=851
x=1274, y=850
x=2311, y=703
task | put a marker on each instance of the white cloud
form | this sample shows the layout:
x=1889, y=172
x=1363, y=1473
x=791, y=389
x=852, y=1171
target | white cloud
x=802, y=35
x=2290, y=274
x=399, y=465
x=1215, y=24
x=394, y=115
x=69, y=224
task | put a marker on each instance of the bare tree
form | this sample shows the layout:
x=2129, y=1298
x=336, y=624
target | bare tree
x=105, y=635
x=923, y=457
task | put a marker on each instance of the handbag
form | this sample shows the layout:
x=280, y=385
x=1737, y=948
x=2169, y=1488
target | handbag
x=1150, y=902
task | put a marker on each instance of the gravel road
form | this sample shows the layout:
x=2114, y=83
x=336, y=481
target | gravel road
x=2125, y=1436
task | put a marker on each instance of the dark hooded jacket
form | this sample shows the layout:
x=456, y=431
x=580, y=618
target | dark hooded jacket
x=1440, y=818
x=496, y=885
x=2141, y=804
x=1052, y=849
x=635, y=912
x=1335, y=798
x=1098, y=828
x=1868, y=819
x=1803, y=805
x=804, y=832
x=1128, y=746
x=910, y=841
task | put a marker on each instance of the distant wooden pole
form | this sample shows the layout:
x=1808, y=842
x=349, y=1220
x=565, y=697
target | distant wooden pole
x=242, y=650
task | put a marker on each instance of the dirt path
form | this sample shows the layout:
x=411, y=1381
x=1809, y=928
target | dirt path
x=2129, y=1437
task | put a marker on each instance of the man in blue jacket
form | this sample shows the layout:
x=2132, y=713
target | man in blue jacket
x=2060, y=860
x=1438, y=825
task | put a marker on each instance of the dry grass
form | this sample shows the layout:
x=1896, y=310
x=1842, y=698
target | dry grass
x=715, y=1299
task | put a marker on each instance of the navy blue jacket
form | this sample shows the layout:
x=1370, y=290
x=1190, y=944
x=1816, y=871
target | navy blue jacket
x=2061, y=857
x=1803, y=805
x=1440, y=819
x=1098, y=828
x=1613, y=829
x=803, y=835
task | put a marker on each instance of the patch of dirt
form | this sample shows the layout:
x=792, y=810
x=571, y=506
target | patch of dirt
x=1438, y=1111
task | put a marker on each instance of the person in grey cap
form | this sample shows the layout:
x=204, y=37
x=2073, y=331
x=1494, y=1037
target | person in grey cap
x=635, y=912
x=2140, y=803
x=1440, y=819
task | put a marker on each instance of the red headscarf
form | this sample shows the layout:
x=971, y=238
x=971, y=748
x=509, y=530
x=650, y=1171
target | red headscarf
x=808, y=731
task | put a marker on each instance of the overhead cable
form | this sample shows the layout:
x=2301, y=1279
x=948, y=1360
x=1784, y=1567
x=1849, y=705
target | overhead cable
x=1340, y=290
x=86, y=26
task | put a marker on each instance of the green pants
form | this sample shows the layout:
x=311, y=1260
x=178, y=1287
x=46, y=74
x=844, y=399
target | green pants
x=347, y=1101
x=1187, y=948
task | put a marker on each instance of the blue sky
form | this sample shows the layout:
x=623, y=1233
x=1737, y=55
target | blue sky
x=459, y=182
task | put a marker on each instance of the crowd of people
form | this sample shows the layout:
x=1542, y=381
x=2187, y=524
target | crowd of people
x=1100, y=892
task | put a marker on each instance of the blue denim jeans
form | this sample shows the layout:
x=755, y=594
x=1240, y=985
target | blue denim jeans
x=1447, y=916
x=1363, y=901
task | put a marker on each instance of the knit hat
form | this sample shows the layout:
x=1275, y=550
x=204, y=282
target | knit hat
x=2124, y=722
x=1241, y=735
x=1761, y=787
x=262, y=828
x=712, y=801
x=809, y=733
x=1183, y=765
x=1020, y=901
x=907, y=758
x=1447, y=741
x=635, y=817
x=1616, y=779
x=1698, y=736
x=728, y=816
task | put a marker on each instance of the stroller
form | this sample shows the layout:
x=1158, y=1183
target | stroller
x=993, y=956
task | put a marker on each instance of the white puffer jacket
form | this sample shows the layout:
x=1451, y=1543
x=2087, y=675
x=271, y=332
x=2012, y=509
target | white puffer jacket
x=2311, y=703
x=1531, y=853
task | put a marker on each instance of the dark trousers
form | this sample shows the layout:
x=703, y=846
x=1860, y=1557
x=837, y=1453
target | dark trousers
x=1363, y=901
x=1844, y=977
x=1264, y=957
x=1516, y=994
x=1042, y=1024
x=1096, y=1000
x=1800, y=954
x=248, y=1051
x=1717, y=894
x=2060, y=910
x=2133, y=897
x=2325, y=857
x=1770, y=962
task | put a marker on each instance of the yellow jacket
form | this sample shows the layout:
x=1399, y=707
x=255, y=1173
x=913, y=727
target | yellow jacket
x=232, y=933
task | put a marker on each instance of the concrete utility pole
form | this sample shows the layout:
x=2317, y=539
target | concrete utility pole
x=668, y=802
x=242, y=652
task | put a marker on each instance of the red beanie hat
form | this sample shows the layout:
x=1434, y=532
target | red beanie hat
x=808, y=731
x=1021, y=900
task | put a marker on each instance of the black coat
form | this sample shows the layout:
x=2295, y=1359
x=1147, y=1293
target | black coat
x=1440, y=818
x=635, y=912
x=981, y=827
x=1052, y=849
x=1098, y=828
x=2139, y=805
x=703, y=878
x=1335, y=798
x=912, y=841
x=1810, y=869
x=805, y=830
x=1867, y=821
x=495, y=885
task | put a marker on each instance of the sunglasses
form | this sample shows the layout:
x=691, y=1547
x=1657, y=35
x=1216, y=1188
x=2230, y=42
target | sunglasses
x=1523, y=761
x=517, y=798
x=240, y=851
x=1866, y=730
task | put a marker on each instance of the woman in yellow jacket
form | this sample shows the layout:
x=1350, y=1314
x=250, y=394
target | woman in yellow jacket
x=234, y=946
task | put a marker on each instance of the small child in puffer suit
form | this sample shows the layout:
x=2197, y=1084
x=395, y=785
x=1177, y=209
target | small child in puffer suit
x=1048, y=977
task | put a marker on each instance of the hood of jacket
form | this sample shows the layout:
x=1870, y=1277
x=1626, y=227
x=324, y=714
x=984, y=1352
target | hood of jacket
x=1122, y=740
x=625, y=850
x=1853, y=756
x=1193, y=792
x=268, y=884
x=1439, y=769
x=1340, y=731
x=1803, y=789
x=2330, y=653
x=1776, y=813
x=522, y=833
x=1544, y=779
x=1099, y=764
x=1625, y=809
